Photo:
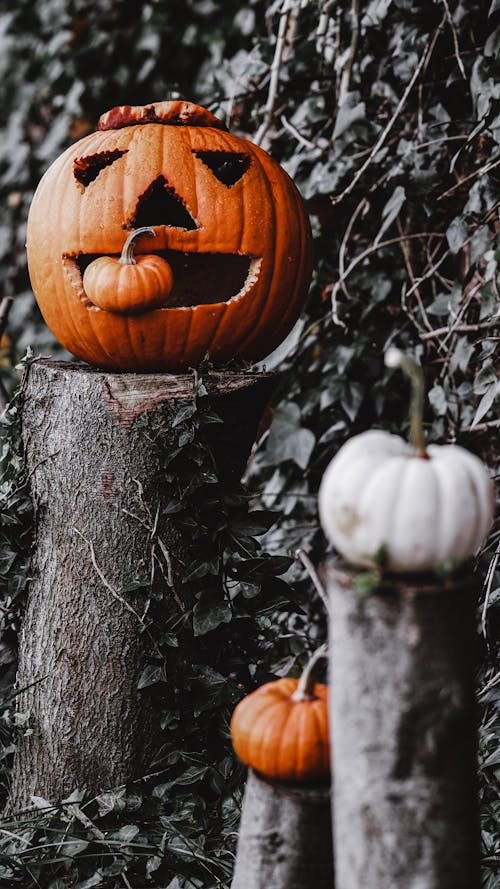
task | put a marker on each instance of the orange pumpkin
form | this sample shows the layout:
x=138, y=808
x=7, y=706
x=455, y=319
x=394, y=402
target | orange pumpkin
x=281, y=729
x=226, y=218
x=128, y=285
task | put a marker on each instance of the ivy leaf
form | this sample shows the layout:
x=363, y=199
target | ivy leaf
x=288, y=440
x=486, y=402
x=151, y=675
x=457, y=234
x=437, y=398
x=391, y=211
x=185, y=413
x=350, y=112
x=210, y=612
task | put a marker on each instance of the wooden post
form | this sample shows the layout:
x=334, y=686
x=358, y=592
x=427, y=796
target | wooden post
x=93, y=473
x=403, y=733
x=285, y=837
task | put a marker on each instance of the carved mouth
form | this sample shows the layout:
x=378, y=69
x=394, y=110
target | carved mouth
x=199, y=278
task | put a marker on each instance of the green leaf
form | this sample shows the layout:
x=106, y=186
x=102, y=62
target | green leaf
x=151, y=675
x=457, y=234
x=210, y=612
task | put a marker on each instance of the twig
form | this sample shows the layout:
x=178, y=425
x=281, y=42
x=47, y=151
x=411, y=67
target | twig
x=429, y=272
x=77, y=813
x=409, y=269
x=482, y=427
x=285, y=12
x=5, y=307
x=455, y=39
x=301, y=556
x=491, y=573
x=462, y=328
x=477, y=173
x=423, y=62
x=363, y=204
x=170, y=574
x=347, y=69
x=373, y=249
x=494, y=681
x=105, y=582
x=295, y=133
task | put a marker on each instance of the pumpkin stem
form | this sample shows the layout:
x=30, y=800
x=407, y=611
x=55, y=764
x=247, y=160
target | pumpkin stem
x=395, y=358
x=127, y=254
x=305, y=688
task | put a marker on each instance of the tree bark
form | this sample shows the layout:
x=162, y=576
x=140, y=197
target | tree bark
x=98, y=525
x=285, y=838
x=403, y=733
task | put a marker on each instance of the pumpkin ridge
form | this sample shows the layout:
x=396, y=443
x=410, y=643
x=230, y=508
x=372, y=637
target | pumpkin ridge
x=396, y=482
x=186, y=335
x=248, y=713
x=59, y=283
x=283, y=772
x=215, y=328
x=443, y=544
x=271, y=728
x=259, y=307
x=467, y=543
x=322, y=734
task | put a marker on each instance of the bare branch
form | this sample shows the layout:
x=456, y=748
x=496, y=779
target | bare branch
x=289, y=7
x=476, y=174
x=455, y=39
x=461, y=328
x=423, y=62
x=301, y=556
x=5, y=307
x=346, y=72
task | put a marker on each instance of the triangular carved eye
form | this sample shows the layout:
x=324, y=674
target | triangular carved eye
x=161, y=205
x=86, y=169
x=227, y=166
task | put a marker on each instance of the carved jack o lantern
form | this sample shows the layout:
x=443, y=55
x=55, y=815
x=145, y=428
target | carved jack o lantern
x=225, y=219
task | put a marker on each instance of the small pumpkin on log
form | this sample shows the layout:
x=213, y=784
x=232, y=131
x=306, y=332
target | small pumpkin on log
x=411, y=507
x=281, y=729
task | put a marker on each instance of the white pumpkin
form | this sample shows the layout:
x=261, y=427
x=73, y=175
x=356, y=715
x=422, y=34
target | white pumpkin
x=425, y=507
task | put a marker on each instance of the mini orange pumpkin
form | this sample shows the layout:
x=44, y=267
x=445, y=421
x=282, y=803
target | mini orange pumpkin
x=226, y=217
x=281, y=729
x=128, y=285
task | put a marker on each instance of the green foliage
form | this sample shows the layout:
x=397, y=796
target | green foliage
x=387, y=115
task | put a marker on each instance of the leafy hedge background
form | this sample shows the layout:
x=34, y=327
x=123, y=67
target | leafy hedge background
x=387, y=115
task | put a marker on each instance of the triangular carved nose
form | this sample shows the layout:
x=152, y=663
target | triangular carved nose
x=161, y=205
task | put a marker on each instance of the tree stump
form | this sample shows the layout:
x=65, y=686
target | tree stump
x=93, y=465
x=403, y=733
x=285, y=838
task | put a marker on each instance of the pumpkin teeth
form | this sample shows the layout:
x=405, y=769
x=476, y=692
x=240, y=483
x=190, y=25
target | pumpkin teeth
x=252, y=277
x=200, y=279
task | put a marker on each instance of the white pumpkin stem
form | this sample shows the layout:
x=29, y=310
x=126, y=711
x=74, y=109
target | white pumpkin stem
x=395, y=358
x=127, y=254
x=305, y=688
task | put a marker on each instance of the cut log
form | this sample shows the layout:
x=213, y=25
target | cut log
x=403, y=733
x=93, y=471
x=285, y=838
